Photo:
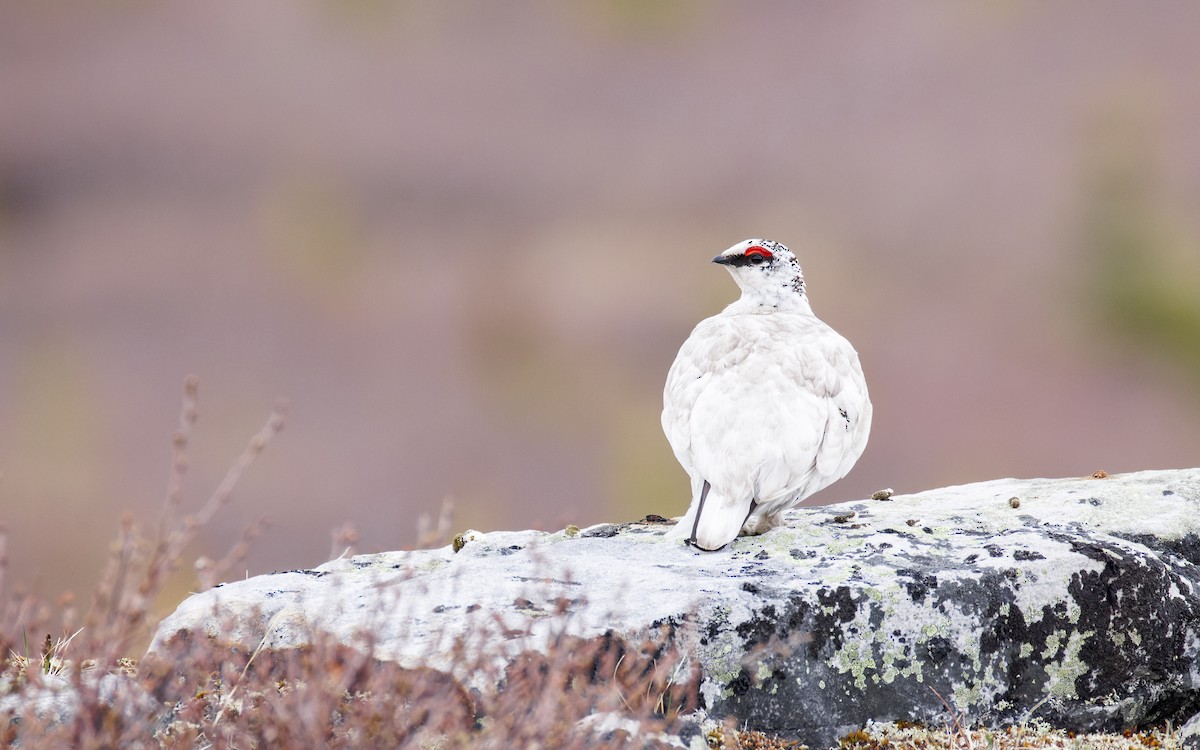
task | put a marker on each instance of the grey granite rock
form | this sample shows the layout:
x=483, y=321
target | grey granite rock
x=1076, y=603
x=1189, y=734
x=57, y=699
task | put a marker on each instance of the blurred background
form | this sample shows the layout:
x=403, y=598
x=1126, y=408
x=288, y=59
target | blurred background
x=466, y=240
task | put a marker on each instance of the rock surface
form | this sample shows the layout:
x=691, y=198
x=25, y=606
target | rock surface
x=1076, y=603
x=1189, y=734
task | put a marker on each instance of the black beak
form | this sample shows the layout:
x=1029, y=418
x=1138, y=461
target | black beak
x=733, y=260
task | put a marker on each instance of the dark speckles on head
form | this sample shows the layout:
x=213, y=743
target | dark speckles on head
x=768, y=273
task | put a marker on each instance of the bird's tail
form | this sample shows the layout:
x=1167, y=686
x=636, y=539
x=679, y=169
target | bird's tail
x=712, y=520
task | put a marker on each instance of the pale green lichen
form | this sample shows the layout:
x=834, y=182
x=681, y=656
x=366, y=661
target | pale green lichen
x=1074, y=611
x=431, y=565
x=967, y=696
x=855, y=659
x=842, y=545
x=1052, y=643
x=1063, y=673
x=720, y=657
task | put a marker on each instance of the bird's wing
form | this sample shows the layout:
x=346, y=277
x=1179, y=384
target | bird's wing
x=754, y=404
x=706, y=358
x=847, y=411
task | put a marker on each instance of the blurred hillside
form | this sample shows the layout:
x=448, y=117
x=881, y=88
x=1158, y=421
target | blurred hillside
x=466, y=240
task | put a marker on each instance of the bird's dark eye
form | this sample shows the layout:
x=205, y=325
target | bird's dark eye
x=758, y=255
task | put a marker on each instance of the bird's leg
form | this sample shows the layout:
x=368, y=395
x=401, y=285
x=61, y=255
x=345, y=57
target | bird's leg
x=699, y=510
x=753, y=505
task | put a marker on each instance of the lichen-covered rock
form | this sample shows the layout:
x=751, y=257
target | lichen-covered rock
x=1076, y=604
x=1189, y=734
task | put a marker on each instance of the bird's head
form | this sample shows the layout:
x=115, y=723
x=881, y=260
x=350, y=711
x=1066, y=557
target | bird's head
x=767, y=272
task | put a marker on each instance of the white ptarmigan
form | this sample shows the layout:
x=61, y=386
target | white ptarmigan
x=764, y=405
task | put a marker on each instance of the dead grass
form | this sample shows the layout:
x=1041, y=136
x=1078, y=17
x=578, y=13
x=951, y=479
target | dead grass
x=953, y=736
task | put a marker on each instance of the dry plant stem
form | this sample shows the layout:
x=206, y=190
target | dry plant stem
x=344, y=541
x=430, y=535
x=241, y=678
x=179, y=463
x=958, y=727
x=168, y=555
x=3, y=559
x=210, y=575
x=255, y=447
x=134, y=574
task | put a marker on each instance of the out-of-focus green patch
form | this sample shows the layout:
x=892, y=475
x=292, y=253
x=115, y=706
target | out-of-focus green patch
x=627, y=18
x=313, y=236
x=644, y=477
x=1142, y=259
x=57, y=420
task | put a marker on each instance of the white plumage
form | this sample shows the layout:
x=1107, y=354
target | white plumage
x=764, y=405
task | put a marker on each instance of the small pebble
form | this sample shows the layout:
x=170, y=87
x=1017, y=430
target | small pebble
x=1014, y=502
x=884, y=494
x=844, y=518
x=1102, y=474
x=470, y=535
x=912, y=522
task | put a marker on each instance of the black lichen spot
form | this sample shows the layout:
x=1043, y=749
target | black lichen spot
x=763, y=555
x=751, y=588
x=841, y=600
x=1027, y=554
x=920, y=586
x=760, y=628
x=1168, y=492
x=938, y=648
x=740, y=684
x=806, y=554
x=313, y=573
x=1132, y=595
x=1188, y=547
x=995, y=550
x=971, y=558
